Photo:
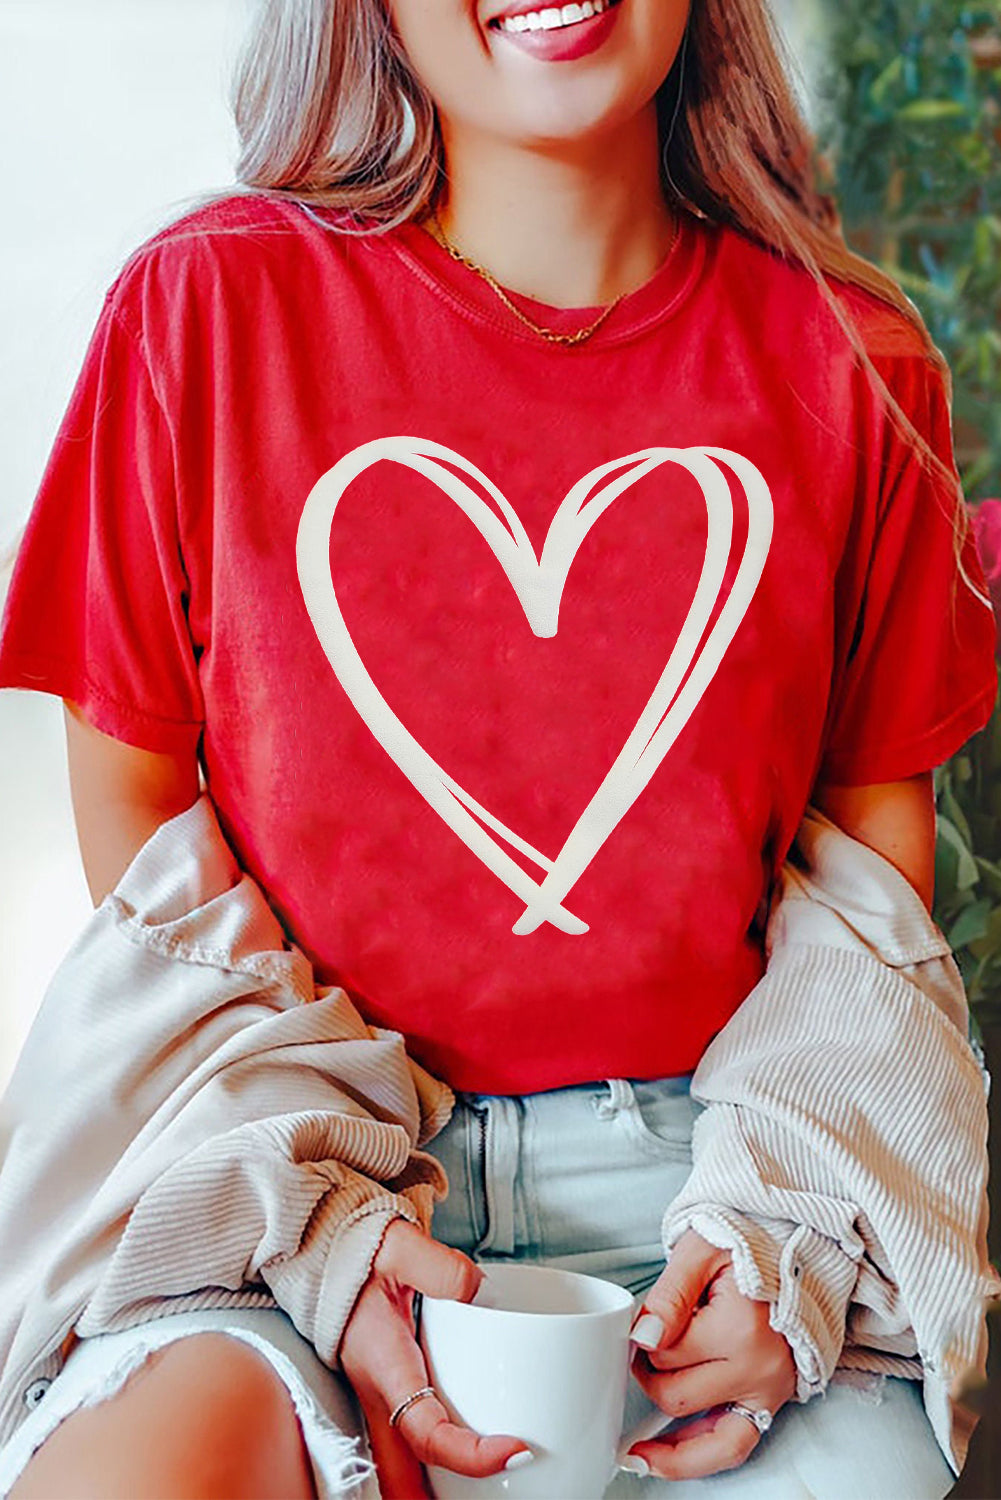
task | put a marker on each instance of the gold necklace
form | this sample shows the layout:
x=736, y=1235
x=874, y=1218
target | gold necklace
x=547, y=333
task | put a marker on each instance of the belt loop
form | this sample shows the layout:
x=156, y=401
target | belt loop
x=620, y=1096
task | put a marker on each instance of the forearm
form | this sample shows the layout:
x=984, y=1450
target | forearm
x=121, y=794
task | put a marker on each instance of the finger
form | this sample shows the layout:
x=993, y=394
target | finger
x=401, y=1476
x=734, y=1332
x=681, y=1393
x=379, y=1353
x=709, y=1445
x=385, y=1364
x=412, y=1257
x=436, y=1439
x=702, y=1340
x=723, y=1327
x=675, y=1294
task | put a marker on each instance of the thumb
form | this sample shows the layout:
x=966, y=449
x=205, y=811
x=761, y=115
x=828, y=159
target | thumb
x=436, y=1270
x=675, y=1294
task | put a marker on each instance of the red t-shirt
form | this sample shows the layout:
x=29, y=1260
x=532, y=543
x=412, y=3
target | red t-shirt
x=512, y=665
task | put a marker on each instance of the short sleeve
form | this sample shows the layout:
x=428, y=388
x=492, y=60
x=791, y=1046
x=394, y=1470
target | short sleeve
x=920, y=676
x=97, y=606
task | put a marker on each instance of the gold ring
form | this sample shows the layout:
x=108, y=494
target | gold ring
x=397, y=1412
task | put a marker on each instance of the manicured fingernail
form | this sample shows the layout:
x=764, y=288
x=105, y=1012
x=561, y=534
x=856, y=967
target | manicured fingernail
x=647, y=1331
x=519, y=1460
x=634, y=1463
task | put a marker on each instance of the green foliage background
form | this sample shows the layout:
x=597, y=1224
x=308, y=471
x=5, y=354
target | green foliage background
x=909, y=135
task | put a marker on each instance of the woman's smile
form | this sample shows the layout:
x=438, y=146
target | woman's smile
x=557, y=33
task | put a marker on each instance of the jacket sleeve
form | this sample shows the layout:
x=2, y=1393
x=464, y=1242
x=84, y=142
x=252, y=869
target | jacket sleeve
x=192, y=1123
x=842, y=1152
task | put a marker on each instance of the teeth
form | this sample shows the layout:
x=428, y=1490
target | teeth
x=552, y=17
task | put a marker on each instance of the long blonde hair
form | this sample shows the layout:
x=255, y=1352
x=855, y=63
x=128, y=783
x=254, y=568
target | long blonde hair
x=330, y=113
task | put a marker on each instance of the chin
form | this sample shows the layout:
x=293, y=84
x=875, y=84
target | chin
x=557, y=120
x=484, y=82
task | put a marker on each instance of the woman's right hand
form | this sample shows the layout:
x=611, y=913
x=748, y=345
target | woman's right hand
x=380, y=1356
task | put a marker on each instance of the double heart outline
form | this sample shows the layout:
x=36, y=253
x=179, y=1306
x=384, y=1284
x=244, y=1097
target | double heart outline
x=538, y=583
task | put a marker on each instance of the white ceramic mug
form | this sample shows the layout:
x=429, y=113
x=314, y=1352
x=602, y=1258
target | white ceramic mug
x=540, y=1354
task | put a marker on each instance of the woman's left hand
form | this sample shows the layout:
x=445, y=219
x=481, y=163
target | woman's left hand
x=717, y=1346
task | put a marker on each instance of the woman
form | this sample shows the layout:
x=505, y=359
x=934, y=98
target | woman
x=559, y=274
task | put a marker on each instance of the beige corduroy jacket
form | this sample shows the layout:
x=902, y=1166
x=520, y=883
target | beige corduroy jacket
x=193, y=1123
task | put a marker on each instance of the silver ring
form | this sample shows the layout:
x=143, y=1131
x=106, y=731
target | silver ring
x=761, y=1419
x=408, y=1401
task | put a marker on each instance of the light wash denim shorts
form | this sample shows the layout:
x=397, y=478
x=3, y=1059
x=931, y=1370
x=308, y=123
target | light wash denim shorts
x=576, y=1177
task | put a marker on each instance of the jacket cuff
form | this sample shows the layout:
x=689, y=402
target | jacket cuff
x=318, y=1285
x=262, y=1205
x=806, y=1278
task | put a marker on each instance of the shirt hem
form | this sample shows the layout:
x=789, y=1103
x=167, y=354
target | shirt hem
x=910, y=757
x=134, y=726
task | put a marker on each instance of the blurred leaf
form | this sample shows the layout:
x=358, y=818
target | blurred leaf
x=990, y=876
x=952, y=810
x=890, y=75
x=971, y=923
x=965, y=865
x=930, y=109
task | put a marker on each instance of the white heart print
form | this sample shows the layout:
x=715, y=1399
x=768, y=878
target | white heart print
x=538, y=584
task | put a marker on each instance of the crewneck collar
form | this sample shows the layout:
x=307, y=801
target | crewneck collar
x=657, y=299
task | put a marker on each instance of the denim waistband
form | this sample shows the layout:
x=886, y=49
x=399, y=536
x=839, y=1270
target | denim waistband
x=618, y=1089
x=578, y=1176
